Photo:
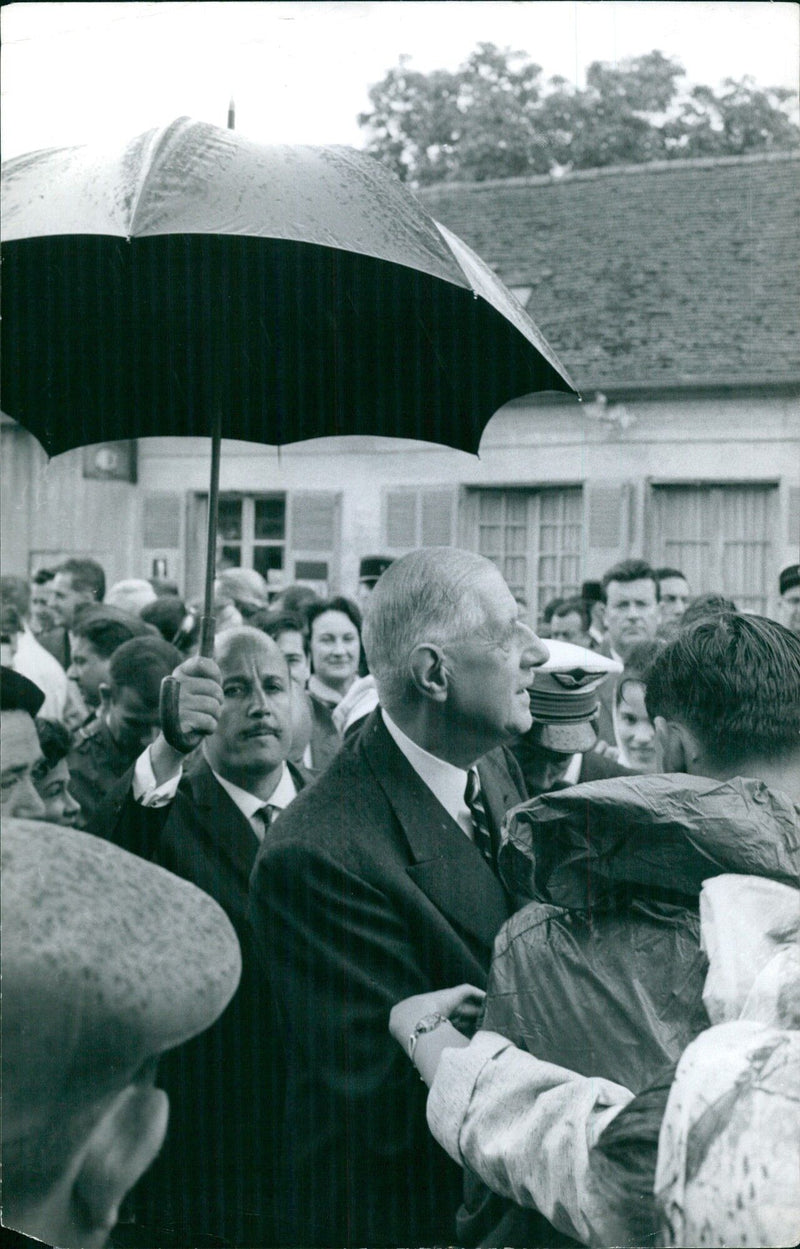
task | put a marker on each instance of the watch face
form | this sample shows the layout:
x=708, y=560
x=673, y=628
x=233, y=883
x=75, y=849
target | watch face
x=428, y=1023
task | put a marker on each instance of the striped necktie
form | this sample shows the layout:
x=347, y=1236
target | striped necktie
x=480, y=820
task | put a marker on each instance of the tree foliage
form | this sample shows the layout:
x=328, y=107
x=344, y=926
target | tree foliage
x=494, y=117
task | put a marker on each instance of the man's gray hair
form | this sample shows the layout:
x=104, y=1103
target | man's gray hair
x=427, y=596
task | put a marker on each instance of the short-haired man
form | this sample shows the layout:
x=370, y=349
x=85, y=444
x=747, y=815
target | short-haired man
x=127, y=721
x=203, y=818
x=76, y=583
x=380, y=880
x=20, y=753
x=673, y=599
x=570, y=622
x=789, y=591
x=107, y=963
x=99, y=632
x=41, y=616
x=602, y=972
x=631, y=616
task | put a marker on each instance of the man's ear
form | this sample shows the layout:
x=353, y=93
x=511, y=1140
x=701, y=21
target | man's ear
x=428, y=671
x=678, y=748
x=120, y=1149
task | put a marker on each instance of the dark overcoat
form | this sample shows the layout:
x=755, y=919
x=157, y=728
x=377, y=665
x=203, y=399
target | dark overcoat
x=215, y=1176
x=366, y=892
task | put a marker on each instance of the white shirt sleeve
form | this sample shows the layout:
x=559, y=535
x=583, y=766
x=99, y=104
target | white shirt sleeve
x=525, y=1127
x=146, y=790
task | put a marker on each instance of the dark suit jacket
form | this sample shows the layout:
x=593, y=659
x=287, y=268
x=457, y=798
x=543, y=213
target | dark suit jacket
x=365, y=893
x=215, y=1175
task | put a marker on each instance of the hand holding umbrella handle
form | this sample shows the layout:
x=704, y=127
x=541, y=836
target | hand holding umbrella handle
x=190, y=703
x=169, y=714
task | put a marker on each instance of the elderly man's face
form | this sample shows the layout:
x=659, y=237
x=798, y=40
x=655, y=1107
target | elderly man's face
x=21, y=753
x=253, y=734
x=490, y=669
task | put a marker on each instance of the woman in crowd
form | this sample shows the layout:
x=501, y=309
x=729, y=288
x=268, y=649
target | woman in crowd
x=335, y=644
x=636, y=734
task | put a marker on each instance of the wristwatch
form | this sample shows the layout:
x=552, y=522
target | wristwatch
x=426, y=1024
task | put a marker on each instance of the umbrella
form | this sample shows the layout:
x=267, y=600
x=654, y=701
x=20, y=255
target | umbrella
x=191, y=281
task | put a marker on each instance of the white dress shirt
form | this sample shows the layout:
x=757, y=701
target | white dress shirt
x=446, y=782
x=148, y=793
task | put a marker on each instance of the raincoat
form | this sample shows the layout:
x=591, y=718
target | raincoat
x=603, y=972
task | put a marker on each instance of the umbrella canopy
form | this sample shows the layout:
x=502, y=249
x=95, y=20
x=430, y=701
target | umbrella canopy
x=288, y=292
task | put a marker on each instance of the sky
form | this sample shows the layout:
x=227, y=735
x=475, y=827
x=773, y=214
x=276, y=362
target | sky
x=300, y=72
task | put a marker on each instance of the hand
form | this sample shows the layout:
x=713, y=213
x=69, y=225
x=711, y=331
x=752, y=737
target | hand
x=191, y=701
x=461, y=1005
x=200, y=696
x=603, y=748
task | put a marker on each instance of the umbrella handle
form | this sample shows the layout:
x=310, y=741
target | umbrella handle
x=169, y=714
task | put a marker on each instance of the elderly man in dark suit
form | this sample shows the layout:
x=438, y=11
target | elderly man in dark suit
x=378, y=882
x=203, y=819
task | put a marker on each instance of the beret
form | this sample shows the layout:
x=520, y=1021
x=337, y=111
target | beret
x=17, y=693
x=789, y=578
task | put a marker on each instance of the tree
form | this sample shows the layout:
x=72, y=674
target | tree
x=492, y=118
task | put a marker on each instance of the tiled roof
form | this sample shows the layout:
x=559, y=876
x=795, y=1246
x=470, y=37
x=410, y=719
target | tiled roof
x=679, y=273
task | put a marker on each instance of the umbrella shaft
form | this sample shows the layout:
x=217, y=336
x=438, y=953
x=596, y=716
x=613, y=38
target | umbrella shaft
x=207, y=622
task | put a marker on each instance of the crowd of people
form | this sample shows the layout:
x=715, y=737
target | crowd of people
x=552, y=869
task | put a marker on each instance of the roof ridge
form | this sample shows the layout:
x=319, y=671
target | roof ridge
x=606, y=171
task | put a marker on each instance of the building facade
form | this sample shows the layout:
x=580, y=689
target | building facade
x=669, y=291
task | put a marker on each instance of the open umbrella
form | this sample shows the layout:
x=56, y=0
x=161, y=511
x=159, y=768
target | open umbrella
x=191, y=281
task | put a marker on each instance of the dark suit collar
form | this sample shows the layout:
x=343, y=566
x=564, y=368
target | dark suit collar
x=447, y=867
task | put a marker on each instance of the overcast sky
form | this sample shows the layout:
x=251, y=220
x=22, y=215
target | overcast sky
x=300, y=72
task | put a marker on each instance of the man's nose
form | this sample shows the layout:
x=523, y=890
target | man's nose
x=534, y=651
x=72, y=672
x=260, y=704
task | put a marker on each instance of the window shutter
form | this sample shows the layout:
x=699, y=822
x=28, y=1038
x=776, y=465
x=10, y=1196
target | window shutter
x=313, y=521
x=437, y=518
x=605, y=529
x=161, y=521
x=401, y=519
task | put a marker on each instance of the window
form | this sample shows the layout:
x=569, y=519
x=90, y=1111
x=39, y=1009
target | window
x=720, y=536
x=286, y=538
x=534, y=538
x=251, y=533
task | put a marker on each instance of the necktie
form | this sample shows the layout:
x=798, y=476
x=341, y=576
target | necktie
x=480, y=820
x=264, y=817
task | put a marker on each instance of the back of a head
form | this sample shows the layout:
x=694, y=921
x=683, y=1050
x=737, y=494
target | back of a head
x=54, y=740
x=243, y=586
x=106, y=628
x=734, y=682
x=638, y=663
x=426, y=596
x=274, y=624
x=141, y=665
x=167, y=613
x=85, y=575
x=705, y=605
x=108, y=961
x=16, y=592
x=131, y=595
x=296, y=598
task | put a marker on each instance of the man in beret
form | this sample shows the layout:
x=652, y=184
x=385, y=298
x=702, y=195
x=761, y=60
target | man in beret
x=789, y=589
x=108, y=962
x=20, y=752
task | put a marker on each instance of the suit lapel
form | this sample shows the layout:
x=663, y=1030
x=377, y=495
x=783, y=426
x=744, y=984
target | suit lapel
x=222, y=820
x=448, y=869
